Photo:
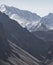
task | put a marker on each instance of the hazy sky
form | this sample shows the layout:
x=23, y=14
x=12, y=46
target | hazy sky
x=41, y=7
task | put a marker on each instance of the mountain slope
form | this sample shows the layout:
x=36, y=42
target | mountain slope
x=11, y=54
x=14, y=40
x=45, y=35
x=24, y=39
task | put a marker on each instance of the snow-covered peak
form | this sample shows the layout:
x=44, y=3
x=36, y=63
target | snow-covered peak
x=22, y=13
x=2, y=8
x=29, y=20
x=24, y=18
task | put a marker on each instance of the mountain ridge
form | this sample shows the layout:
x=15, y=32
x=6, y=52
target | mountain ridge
x=25, y=18
x=29, y=20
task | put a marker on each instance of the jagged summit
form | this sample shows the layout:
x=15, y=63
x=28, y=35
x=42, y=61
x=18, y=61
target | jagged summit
x=3, y=7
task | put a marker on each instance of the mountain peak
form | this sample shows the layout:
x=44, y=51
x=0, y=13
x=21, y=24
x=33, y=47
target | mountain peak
x=3, y=7
x=25, y=18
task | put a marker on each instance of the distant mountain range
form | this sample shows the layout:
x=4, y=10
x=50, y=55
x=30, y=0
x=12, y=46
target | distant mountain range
x=29, y=20
x=26, y=19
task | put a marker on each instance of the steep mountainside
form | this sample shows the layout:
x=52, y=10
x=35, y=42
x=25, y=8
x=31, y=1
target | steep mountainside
x=11, y=54
x=24, y=39
x=18, y=46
